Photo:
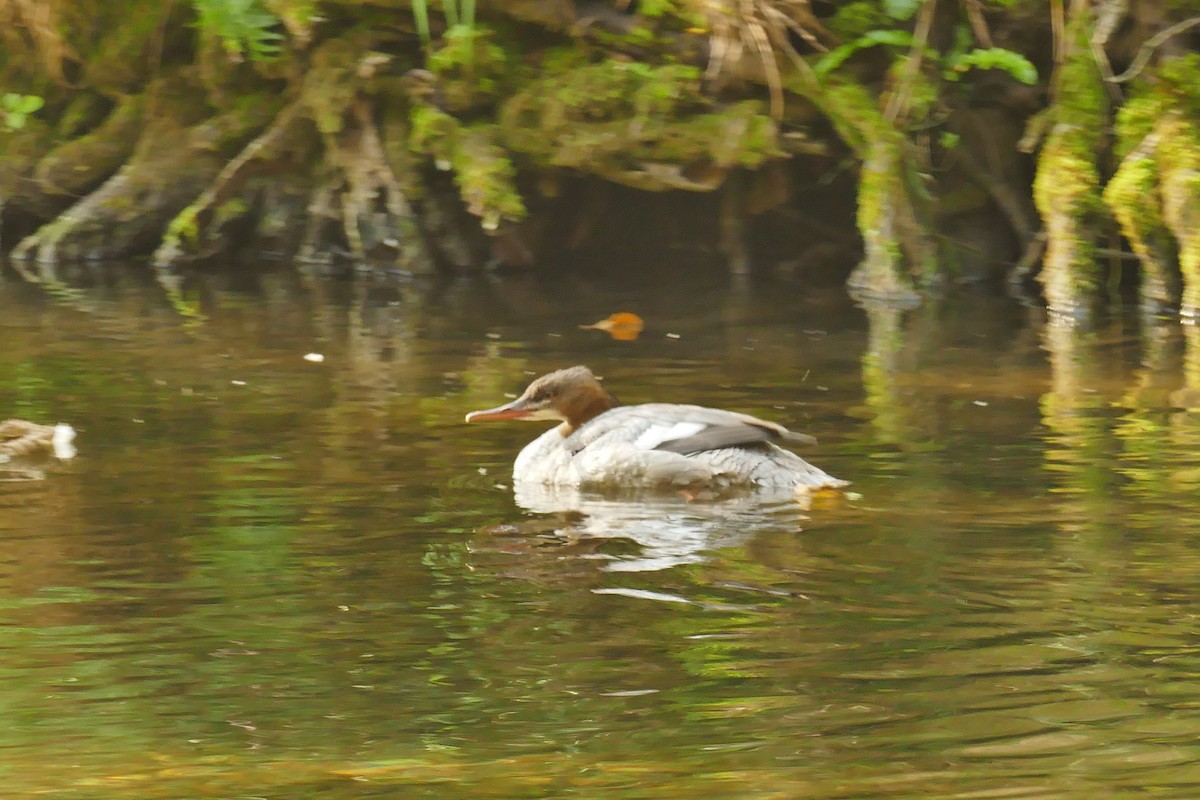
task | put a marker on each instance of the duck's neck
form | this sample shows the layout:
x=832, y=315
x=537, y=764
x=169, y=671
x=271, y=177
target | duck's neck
x=585, y=407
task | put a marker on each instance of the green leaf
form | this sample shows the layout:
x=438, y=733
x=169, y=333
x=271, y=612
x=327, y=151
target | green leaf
x=836, y=57
x=901, y=9
x=1014, y=64
x=420, y=12
x=16, y=108
x=29, y=104
x=887, y=36
x=243, y=26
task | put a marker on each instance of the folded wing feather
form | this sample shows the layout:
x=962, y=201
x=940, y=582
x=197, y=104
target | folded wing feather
x=691, y=429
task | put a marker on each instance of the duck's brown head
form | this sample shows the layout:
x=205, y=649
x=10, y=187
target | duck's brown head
x=571, y=395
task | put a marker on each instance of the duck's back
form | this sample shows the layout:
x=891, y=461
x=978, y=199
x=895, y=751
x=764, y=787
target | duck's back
x=664, y=445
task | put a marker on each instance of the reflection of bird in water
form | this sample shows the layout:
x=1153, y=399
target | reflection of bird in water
x=686, y=448
x=668, y=530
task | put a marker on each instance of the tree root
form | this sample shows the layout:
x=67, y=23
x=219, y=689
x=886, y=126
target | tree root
x=197, y=231
x=376, y=214
x=360, y=206
x=1133, y=196
x=1067, y=187
x=169, y=166
x=883, y=219
x=1180, y=176
x=78, y=166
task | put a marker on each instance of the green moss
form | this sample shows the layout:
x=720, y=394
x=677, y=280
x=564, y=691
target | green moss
x=184, y=228
x=472, y=66
x=1082, y=98
x=613, y=118
x=1066, y=192
x=483, y=171
x=738, y=135
x=854, y=113
x=82, y=112
x=332, y=81
x=680, y=10
x=1133, y=198
x=1131, y=195
x=116, y=45
x=603, y=92
x=1179, y=161
x=297, y=15
x=885, y=205
x=854, y=19
x=1067, y=187
x=1181, y=83
x=229, y=210
x=394, y=134
x=1134, y=121
x=22, y=149
x=1156, y=189
x=83, y=162
x=432, y=131
x=486, y=177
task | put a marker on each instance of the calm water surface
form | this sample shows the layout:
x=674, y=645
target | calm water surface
x=272, y=578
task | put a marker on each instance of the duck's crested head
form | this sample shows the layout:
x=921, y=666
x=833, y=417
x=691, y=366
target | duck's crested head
x=571, y=395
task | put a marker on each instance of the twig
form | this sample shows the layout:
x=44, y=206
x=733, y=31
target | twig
x=1007, y=200
x=899, y=100
x=978, y=23
x=1024, y=267
x=1058, y=27
x=1152, y=44
x=1109, y=15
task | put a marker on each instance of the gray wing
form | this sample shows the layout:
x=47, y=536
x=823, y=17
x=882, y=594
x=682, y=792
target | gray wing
x=685, y=429
x=716, y=437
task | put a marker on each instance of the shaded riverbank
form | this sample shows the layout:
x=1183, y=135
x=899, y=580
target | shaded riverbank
x=903, y=146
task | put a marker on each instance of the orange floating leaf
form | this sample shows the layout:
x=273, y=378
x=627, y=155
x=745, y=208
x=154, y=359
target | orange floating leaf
x=622, y=326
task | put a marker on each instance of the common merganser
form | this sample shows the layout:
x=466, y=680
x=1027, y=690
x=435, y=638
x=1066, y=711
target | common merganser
x=601, y=444
x=19, y=437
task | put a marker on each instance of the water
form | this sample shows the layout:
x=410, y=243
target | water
x=268, y=577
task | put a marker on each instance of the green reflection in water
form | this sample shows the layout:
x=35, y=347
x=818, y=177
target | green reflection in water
x=316, y=582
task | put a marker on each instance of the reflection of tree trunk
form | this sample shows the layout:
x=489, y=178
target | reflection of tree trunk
x=1188, y=397
x=880, y=363
x=1142, y=431
x=1078, y=453
x=1159, y=367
